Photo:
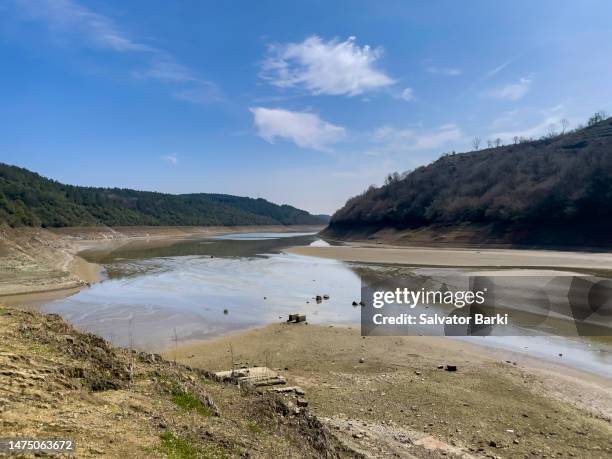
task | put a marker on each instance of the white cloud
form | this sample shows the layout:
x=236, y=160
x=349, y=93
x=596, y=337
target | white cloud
x=447, y=71
x=306, y=130
x=171, y=159
x=511, y=91
x=320, y=67
x=407, y=94
x=401, y=140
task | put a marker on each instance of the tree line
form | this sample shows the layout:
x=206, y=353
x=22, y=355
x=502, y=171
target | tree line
x=28, y=199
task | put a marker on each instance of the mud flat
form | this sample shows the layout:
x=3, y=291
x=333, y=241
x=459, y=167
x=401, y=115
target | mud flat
x=37, y=261
x=373, y=389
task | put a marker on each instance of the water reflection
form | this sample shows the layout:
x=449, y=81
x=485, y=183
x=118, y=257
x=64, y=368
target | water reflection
x=156, y=287
x=188, y=285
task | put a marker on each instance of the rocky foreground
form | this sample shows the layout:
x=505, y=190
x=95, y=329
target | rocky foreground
x=58, y=383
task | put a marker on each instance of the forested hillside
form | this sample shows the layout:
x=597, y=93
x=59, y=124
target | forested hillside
x=558, y=182
x=28, y=199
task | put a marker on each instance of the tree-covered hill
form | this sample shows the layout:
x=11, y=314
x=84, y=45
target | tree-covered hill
x=28, y=199
x=556, y=183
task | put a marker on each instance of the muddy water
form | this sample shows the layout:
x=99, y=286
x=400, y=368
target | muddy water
x=197, y=288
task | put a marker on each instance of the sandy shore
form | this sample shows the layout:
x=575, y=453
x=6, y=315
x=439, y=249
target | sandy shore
x=36, y=263
x=488, y=405
x=447, y=257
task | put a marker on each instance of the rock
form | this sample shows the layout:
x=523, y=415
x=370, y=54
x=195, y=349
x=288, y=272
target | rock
x=493, y=444
x=418, y=373
x=451, y=367
x=225, y=311
x=302, y=402
x=326, y=297
x=299, y=391
x=440, y=367
x=361, y=360
x=355, y=303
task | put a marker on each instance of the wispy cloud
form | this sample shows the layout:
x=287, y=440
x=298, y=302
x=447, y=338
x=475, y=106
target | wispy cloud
x=87, y=28
x=550, y=120
x=511, y=91
x=402, y=140
x=171, y=159
x=306, y=130
x=407, y=94
x=446, y=71
x=507, y=118
x=325, y=67
x=496, y=70
x=69, y=17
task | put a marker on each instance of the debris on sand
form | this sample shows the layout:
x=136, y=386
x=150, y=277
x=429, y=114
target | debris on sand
x=296, y=318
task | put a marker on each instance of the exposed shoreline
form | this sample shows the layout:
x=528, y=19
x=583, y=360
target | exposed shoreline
x=478, y=405
x=459, y=257
x=495, y=395
x=35, y=262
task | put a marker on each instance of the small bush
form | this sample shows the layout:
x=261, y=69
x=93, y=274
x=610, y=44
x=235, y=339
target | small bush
x=189, y=402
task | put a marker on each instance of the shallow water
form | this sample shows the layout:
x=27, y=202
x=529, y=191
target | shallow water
x=198, y=288
x=208, y=287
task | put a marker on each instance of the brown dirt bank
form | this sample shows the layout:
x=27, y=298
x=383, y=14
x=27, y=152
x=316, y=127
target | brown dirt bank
x=584, y=237
x=58, y=383
x=488, y=407
x=36, y=260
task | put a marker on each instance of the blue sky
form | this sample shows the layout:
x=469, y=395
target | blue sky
x=301, y=103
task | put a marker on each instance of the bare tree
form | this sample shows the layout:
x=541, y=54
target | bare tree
x=564, y=125
x=489, y=144
x=392, y=178
x=476, y=143
x=597, y=117
x=516, y=139
x=552, y=130
x=498, y=142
